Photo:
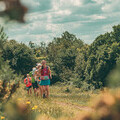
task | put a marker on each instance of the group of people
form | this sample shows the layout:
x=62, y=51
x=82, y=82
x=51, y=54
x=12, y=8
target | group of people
x=39, y=80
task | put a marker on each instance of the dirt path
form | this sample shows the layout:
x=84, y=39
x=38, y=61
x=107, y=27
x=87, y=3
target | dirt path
x=83, y=108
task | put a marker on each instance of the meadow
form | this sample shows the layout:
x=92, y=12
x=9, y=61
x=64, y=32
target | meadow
x=64, y=103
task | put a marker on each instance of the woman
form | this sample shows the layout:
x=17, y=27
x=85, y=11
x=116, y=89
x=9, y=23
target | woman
x=38, y=79
x=45, y=75
x=34, y=83
x=28, y=83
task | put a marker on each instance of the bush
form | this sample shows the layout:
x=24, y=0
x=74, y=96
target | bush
x=21, y=57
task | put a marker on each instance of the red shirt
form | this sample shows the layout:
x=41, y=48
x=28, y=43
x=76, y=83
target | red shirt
x=45, y=72
x=28, y=81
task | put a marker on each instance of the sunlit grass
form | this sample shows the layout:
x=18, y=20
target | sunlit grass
x=61, y=104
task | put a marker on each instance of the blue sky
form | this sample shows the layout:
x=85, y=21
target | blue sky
x=47, y=19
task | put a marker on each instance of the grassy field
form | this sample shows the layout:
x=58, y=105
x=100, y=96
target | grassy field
x=64, y=103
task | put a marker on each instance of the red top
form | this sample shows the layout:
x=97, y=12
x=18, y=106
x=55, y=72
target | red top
x=45, y=71
x=27, y=81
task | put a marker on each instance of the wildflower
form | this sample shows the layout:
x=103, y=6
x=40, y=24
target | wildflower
x=35, y=106
x=2, y=117
x=19, y=99
x=28, y=102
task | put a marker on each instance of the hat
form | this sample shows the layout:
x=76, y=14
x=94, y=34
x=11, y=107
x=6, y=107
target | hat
x=39, y=64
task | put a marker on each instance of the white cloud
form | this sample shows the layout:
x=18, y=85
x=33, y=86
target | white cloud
x=111, y=6
x=35, y=16
x=76, y=2
x=65, y=4
x=63, y=12
x=31, y=3
x=83, y=18
x=34, y=38
x=99, y=1
x=97, y=17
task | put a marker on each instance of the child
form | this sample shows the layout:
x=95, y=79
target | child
x=28, y=83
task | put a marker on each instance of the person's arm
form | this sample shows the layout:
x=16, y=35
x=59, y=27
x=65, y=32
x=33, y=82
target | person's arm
x=50, y=72
x=39, y=71
x=42, y=78
x=25, y=81
x=30, y=79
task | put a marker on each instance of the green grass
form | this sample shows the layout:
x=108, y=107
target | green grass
x=62, y=104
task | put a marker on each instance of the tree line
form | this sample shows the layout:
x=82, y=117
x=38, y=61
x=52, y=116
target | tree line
x=71, y=60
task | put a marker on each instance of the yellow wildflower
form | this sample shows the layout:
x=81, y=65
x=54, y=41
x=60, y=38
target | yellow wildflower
x=28, y=102
x=35, y=106
x=19, y=99
x=2, y=117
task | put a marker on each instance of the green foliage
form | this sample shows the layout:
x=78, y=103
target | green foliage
x=71, y=61
x=113, y=79
x=94, y=64
x=3, y=37
x=6, y=73
x=62, y=52
x=21, y=57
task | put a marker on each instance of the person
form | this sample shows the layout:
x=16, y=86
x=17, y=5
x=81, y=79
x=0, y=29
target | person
x=30, y=73
x=38, y=78
x=33, y=70
x=45, y=75
x=34, y=84
x=28, y=83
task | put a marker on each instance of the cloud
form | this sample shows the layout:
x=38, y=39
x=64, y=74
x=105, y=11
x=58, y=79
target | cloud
x=111, y=6
x=63, y=12
x=50, y=18
x=34, y=38
x=96, y=17
x=99, y=1
x=37, y=5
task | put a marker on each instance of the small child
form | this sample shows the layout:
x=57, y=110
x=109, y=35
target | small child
x=28, y=83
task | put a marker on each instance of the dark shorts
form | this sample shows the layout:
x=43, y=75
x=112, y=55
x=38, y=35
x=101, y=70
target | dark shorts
x=28, y=87
x=35, y=85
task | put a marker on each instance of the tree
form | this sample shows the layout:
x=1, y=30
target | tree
x=100, y=60
x=3, y=37
x=62, y=52
x=21, y=57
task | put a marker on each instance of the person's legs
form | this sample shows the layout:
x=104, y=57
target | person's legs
x=30, y=90
x=41, y=91
x=34, y=88
x=44, y=91
x=35, y=91
x=47, y=90
x=38, y=91
x=27, y=88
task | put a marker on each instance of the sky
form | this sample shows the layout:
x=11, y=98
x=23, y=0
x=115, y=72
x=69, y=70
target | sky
x=47, y=19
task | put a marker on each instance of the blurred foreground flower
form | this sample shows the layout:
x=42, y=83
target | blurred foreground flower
x=28, y=102
x=19, y=99
x=14, y=10
x=35, y=106
x=107, y=107
x=2, y=117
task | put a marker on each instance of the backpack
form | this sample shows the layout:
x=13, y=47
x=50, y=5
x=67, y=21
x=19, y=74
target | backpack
x=42, y=72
